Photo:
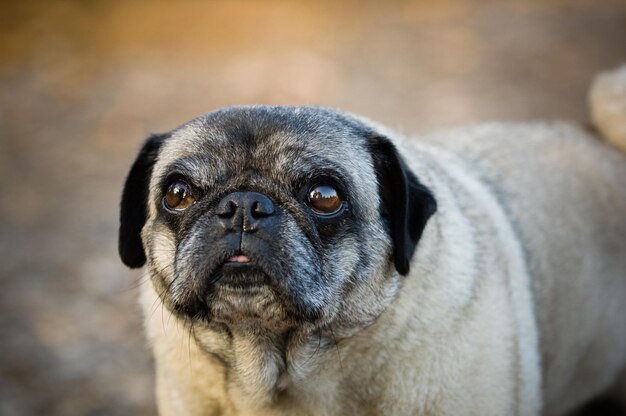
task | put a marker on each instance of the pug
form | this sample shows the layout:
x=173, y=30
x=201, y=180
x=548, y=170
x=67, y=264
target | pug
x=306, y=261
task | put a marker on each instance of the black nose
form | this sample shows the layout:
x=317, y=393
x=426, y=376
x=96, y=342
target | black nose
x=247, y=211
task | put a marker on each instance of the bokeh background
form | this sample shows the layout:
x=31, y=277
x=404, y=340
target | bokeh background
x=83, y=83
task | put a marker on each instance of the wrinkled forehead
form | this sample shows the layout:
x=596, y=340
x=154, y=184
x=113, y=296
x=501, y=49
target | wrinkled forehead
x=275, y=143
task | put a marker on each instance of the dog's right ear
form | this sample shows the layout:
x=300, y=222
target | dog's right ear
x=134, y=205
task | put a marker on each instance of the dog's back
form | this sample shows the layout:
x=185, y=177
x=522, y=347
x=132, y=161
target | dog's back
x=564, y=190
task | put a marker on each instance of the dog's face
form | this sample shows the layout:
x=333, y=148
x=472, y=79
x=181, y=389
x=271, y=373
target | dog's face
x=273, y=217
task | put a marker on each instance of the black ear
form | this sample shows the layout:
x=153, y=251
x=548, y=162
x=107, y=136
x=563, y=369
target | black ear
x=406, y=203
x=133, y=208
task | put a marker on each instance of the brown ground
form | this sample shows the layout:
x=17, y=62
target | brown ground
x=82, y=83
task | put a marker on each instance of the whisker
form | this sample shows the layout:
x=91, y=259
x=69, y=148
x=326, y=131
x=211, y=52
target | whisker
x=145, y=278
x=189, y=336
x=319, y=344
x=337, y=349
x=165, y=291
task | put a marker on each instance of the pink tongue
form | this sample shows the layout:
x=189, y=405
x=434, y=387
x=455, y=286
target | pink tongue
x=239, y=259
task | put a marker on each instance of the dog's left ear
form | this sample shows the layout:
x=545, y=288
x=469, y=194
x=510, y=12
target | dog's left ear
x=406, y=204
x=133, y=209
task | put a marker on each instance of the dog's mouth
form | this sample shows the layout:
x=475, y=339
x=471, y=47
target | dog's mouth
x=242, y=292
x=238, y=260
x=239, y=271
x=243, y=285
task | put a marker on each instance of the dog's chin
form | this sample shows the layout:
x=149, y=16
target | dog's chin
x=240, y=276
x=239, y=295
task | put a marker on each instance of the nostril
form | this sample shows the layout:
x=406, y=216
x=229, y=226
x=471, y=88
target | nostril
x=262, y=209
x=226, y=209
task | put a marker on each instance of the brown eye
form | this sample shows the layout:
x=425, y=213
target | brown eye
x=178, y=196
x=324, y=199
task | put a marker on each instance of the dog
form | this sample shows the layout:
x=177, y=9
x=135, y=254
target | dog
x=305, y=261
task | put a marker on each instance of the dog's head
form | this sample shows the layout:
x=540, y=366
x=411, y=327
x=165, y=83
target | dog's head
x=275, y=216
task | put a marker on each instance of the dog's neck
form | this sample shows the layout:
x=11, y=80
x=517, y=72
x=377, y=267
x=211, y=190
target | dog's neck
x=263, y=363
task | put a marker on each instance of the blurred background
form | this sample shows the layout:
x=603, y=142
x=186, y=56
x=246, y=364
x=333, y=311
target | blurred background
x=83, y=83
